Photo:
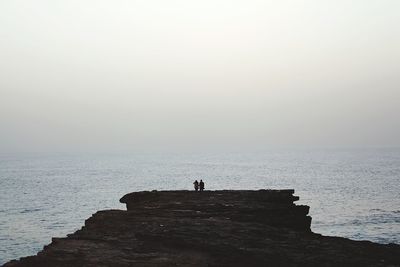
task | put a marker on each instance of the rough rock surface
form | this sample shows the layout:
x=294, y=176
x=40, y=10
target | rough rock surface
x=211, y=228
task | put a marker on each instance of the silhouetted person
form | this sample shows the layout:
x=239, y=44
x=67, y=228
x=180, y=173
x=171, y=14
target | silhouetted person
x=196, y=186
x=201, y=185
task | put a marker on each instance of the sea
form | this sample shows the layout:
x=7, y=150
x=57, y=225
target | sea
x=351, y=193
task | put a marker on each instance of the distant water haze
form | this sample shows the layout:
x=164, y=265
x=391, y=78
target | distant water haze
x=137, y=75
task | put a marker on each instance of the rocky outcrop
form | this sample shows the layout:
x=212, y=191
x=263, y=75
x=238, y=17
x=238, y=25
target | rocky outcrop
x=270, y=207
x=211, y=228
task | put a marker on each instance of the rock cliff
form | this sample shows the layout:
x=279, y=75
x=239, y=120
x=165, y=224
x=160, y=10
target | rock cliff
x=210, y=228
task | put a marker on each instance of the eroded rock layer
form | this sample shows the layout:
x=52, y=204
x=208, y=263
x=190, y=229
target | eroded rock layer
x=211, y=228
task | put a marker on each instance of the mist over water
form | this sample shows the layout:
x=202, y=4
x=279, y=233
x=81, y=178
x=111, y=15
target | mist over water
x=97, y=75
x=91, y=92
x=352, y=193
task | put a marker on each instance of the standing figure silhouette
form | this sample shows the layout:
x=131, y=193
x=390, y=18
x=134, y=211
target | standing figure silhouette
x=201, y=185
x=196, y=186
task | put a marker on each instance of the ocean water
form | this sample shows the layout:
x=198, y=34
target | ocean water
x=352, y=193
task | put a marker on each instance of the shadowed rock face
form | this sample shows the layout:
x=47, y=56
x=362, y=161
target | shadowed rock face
x=270, y=207
x=211, y=228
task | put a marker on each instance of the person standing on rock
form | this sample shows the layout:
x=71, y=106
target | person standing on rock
x=196, y=186
x=201, y=185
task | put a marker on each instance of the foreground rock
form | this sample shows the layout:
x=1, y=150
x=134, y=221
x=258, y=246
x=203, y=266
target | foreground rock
x=212, y=228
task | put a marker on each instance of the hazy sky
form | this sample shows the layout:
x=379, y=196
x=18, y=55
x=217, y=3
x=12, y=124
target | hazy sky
x=129, y=75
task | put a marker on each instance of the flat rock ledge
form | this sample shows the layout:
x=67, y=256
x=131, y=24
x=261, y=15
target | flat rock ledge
x=210, y=228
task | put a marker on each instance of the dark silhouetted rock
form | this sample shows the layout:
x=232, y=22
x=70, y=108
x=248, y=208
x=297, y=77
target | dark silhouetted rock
x=210, y=228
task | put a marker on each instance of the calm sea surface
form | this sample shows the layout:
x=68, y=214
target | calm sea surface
x=354, y=194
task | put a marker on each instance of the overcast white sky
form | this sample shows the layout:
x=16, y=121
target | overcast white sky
x=128, y=75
